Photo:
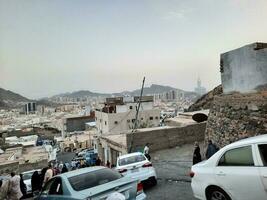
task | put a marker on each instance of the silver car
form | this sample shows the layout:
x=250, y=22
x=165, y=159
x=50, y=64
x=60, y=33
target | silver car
x=91, y=183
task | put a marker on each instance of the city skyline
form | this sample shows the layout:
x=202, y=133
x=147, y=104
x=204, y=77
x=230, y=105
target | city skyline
x=50, y=47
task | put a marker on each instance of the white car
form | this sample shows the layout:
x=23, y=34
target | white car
x=136, y=165
x=27, y=176
x=236, y=172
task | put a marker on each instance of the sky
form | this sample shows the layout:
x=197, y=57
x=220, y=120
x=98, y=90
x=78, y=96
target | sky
x=51, y=47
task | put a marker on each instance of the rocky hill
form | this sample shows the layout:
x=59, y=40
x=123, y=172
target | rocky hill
x=205, y=101
x=9, y=99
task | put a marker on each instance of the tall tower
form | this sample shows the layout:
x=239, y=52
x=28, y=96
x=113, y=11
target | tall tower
x=198, y=83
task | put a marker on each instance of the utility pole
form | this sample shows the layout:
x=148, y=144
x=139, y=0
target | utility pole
x=136, y=115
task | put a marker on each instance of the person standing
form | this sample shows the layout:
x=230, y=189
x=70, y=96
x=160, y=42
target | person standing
x=14, y=192
x=64, y=169
x=23, y=187
x=211, y=149
x=98, y=161
x=36, y=182
x=48, y=174
x=146, y=151
x=4, y=189
x=196, y=155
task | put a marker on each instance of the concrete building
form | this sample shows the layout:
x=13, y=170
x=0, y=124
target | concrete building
x=172, y=95
x=77, y=123
x=29, y=108
x=29, y=140
x=241, y=111
x=119, y=115
x=244, y=69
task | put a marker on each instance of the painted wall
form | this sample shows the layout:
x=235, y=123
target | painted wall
x=243, y=69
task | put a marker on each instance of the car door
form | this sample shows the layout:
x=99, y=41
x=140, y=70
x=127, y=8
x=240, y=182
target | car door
x=262, y=150
x=54, y=190
x=237, y=174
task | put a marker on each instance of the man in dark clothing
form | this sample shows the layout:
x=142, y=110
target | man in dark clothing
x=212, y=149
x=196, y=155
x=98, y=161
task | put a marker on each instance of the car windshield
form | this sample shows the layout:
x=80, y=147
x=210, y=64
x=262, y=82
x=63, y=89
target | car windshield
x=131, y=159
x=93, y=179
x=27, y=176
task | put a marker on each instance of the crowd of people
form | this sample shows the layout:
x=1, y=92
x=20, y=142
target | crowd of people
x=12, y=188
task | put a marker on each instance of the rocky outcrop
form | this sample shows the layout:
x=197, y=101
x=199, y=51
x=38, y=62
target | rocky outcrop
x=205, y=101
x=236, y=116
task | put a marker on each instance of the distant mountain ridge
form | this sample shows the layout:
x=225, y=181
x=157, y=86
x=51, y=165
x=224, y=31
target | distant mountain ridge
x=153, y=89
x=9, y=99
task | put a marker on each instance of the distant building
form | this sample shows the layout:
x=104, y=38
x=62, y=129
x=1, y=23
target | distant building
x=199, y=89
x=77, y=123
x=29, y=108
x=118, y=114
x=171, y=95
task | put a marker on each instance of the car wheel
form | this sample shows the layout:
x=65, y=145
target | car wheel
x=218, y=194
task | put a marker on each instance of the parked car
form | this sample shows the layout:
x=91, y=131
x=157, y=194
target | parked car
x=91, y=183
x=27, y=176
x=136, y=165
x=236, y=172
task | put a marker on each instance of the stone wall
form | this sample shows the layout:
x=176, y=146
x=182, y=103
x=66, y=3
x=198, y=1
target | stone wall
x=18, y=168
x=164, y=138
x=236, y=116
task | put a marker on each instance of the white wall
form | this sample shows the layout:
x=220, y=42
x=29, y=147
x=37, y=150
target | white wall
x=115, y=122
x=244, y=69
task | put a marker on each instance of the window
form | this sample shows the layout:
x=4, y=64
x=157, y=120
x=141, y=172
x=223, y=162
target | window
x=105, y=122
x=131, y=159
x=100, y=120
x=237, y=157
x=263, y=153
x=151, y=118
x=131, y=107
x=142, y=118
x=133, y=120
x=94, y=178
x=156, y=117
x=128, y=120
x=116, y=122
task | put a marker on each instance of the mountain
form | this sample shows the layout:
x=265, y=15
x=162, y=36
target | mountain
x=205, y=101
x=9, y=99
x=80, y=94
x=153, y=89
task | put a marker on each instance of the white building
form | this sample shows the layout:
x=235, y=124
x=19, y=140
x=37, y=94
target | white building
x=119, y=115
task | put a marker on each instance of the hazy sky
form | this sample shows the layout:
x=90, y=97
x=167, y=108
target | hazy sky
x=49, y=47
